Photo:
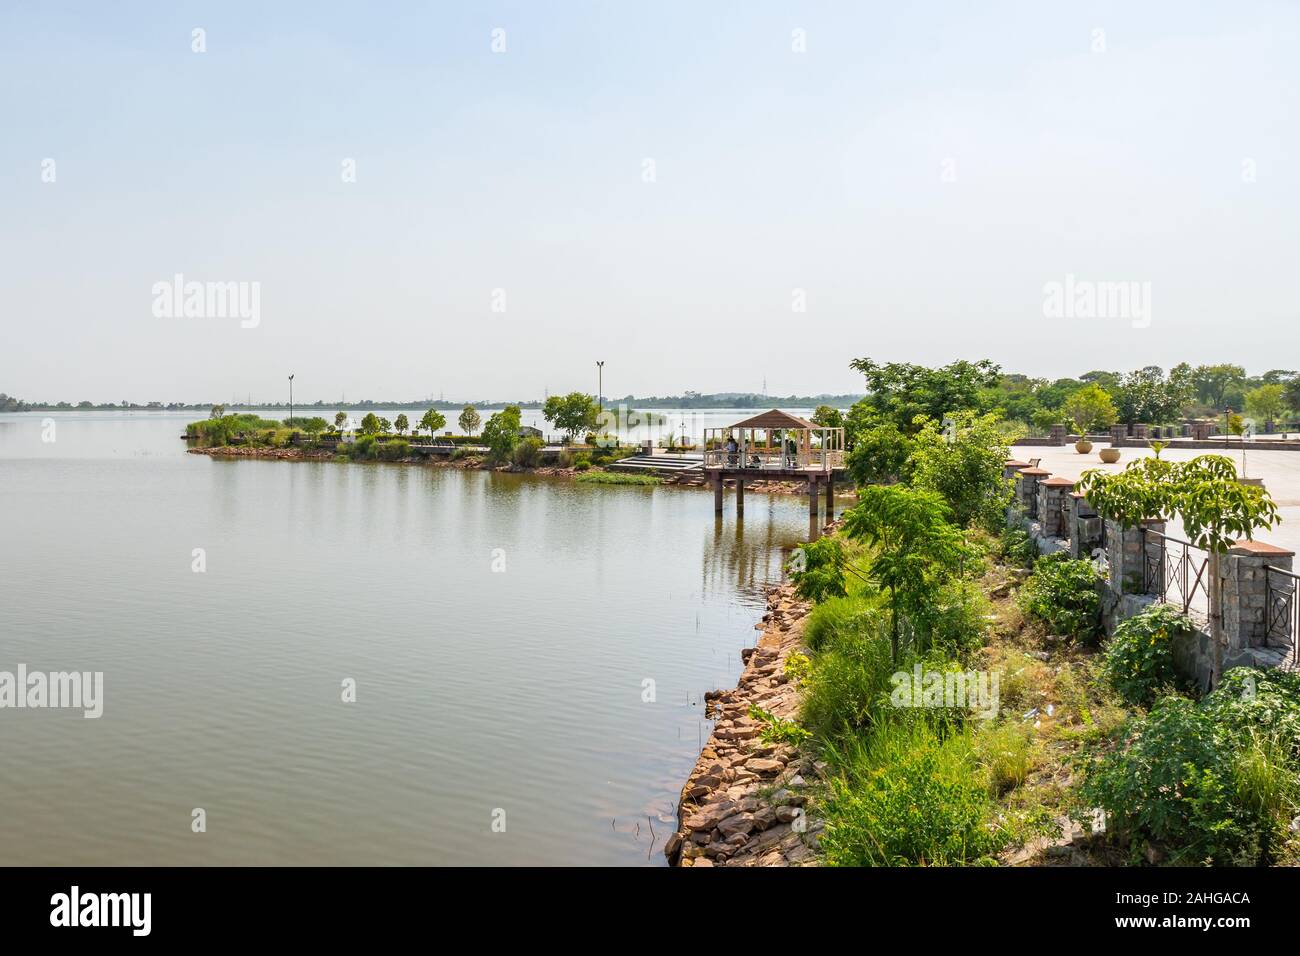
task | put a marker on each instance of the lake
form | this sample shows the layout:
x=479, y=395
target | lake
x=499, y=630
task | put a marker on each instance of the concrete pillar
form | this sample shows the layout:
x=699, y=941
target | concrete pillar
x=1052, y=493
x=1118, y=433
x=740, y=496
x=830, y=497
x=1011, y=467
x=812, y=498
x=1083, y=526
x=1056, y=434
x=717, y=493
x=1125, y=554
x=1141, y=430
x=1027, y=487
x=1243, y=572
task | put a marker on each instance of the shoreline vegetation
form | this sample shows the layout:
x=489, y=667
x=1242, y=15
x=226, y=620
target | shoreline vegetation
x=930, y=691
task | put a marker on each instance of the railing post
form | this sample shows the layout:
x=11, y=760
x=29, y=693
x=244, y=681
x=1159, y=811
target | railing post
x=1245, y=595
x=1125, y=555
x=1052, y=494
x=1027, y=489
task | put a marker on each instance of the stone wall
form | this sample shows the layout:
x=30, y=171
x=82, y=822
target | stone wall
x=1134, y=566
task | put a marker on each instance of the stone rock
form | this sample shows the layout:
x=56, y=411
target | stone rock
x=736, y=823
x=703, y=861
x=787, y=814
x=764, y=766
x=673, y=845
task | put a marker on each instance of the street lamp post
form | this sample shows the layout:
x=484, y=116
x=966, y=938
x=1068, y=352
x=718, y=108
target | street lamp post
x=291, y=397
x=600, y=384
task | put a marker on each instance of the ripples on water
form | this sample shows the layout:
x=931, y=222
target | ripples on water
x=477, y=690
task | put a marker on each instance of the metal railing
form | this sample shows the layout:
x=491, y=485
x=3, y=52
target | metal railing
x=1173, y=570
x=763, y=459
x=1281, y=612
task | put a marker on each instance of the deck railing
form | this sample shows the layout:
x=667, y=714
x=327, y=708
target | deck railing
x=762, y=459
x=1281, y=611
x=1174, y=570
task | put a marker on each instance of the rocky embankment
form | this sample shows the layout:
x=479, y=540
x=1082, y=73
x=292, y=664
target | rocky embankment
x=743, y=804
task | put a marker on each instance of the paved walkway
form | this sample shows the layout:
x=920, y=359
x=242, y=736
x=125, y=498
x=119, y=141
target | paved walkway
x=1279, y=469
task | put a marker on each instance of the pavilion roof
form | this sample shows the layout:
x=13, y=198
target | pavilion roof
x=775, y=418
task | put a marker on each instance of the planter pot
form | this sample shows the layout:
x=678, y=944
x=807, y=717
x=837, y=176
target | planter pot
x=1109, y=455
x=1083, y=446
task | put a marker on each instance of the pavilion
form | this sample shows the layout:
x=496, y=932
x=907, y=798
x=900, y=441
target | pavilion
x=774, y=445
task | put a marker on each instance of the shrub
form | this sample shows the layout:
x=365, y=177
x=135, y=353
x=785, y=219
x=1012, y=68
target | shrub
x=1171, y=779
x=582, y=461
x=817, y=569
x=363, y=448
x=962, y=459
x=527, y=453
x=952, y=621
x=1063, y=594
x=1016, y=547
x=905, y=796
x=849, y=683
x=395, y=450
x=1268, y=701
x=1139, y=660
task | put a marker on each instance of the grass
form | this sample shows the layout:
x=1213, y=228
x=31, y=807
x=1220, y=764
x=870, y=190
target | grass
x=616, y=478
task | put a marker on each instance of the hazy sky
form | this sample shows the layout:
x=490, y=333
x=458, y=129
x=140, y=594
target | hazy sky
x=921, y=171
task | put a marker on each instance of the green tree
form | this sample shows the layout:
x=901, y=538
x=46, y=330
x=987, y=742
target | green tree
x=432, y=421
x=916, y=548
x=900, y=392
x=1146, y=395
x=880, y=455
x=1090, y=408
x=370, y=425
x=314, y=426
x=961, y=459
x=571, y=413
x=218, y=411
x=501, y=433
x=340, y=420
x=1212, y=382
x=402, y=424
x=469, y=420
x=385, y=426
x=1267, y=403
x=1216, y=510
x=828, y=416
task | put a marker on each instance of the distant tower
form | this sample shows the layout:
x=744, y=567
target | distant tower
x=765, y=386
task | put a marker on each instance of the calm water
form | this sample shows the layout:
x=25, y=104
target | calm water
x=477, y=690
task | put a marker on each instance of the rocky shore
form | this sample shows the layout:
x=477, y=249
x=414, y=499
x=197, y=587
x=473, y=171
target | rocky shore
x=744, y=803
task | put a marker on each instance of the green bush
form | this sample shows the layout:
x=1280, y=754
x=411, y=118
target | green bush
x=904, y=795
x=1266, y=701
x=581, y=461
x=953, y=620
x=1139, y=661
x=817, y=569
x=616, y=478
x=527, y=453
x=1016, y=547
x=1063, y=594
x=849, y=683
x=395, y=450
x=1172, y=780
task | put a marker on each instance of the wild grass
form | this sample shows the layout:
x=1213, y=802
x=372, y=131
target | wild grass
x=615, y=478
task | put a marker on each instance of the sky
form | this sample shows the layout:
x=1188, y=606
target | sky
x=482, y=199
